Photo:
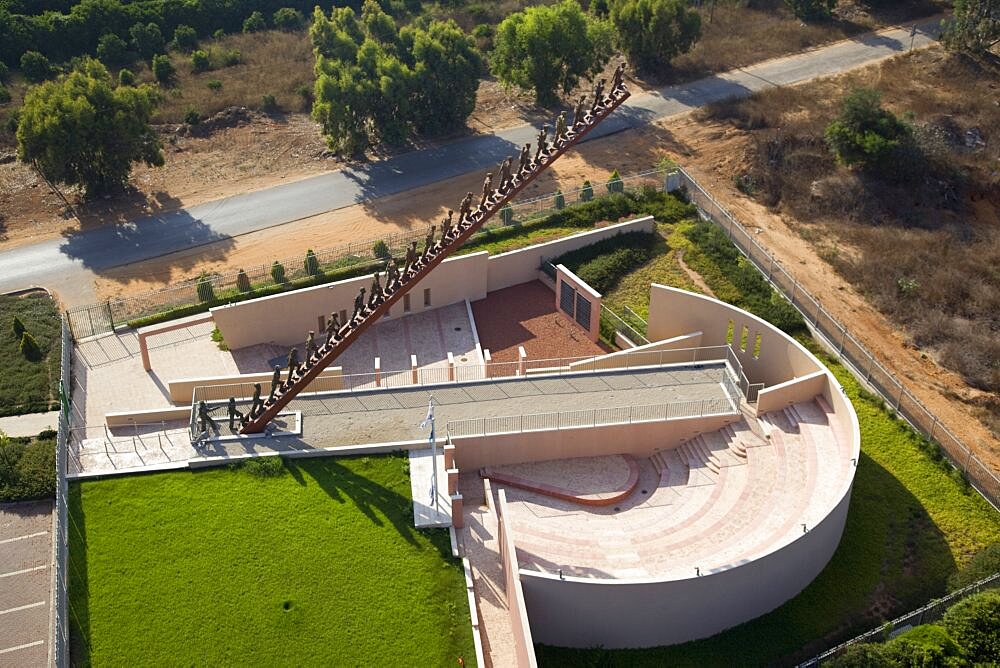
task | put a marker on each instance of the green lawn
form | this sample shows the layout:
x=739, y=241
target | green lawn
x=28, y=386
x=911, y=523
x=319, y=565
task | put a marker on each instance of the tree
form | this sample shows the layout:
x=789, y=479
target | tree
x=278, y=272
x=975, y=26
x=446, y=69
x=654, y=32
x=548, y=48
x=615, y=183
x=200, y=61
x=4, y=94
x=973, y=623
x=811, y=10
x=126, y=77
x=586, y=192
x=864, y=133
x=112, y=50
x=147, y=40
x=29, y=347
x=255, y=23
x=206, y=291
x=311, y=264
x=185, y=38
x=83, y=130
x=288, y=19
x=162, y=68
x=560, y=200
x=35, y=67
x=243, y=282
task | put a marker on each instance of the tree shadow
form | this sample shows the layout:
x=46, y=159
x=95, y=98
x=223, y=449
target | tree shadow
x=78, y=585
x=124, y=207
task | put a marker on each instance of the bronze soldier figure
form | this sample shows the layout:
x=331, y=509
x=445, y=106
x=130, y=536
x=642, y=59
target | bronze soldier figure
x=332, y=328
x=561, y=127
x=524, y=161
x=579, y=112
x=411, y=258
x=429, y=242
x=205, y=420
x=275, y=381
x=391, y=274
x=618, y=79
x=598, y=96
x=359, y=305
x=543, y=145
x=310, y=346
x=376, y=291
x=256, y=406
x=504, y=174
x=234, y=415
x=293, y=364
x=446, y=225
x=487, y=189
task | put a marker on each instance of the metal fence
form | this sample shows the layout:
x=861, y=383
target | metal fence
x=597, y=417
x=59, y=636
x=612, y=322
x=102, y=318
x=923, y=615
x=852, y=353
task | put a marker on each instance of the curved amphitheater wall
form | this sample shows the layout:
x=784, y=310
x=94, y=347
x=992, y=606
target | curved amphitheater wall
x=617, y=613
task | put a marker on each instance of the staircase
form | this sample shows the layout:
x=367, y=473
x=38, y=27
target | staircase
x=465, y=227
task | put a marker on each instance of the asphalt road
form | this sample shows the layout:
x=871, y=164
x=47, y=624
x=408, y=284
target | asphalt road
x=67, y=266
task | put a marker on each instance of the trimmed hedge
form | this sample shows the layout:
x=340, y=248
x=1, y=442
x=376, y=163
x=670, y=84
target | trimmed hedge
x=27, y=468
x=603, y=264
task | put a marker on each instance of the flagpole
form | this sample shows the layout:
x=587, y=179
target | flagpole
x=434, y=455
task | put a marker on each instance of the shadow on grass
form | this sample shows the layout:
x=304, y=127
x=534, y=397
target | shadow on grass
x=79, y=589
x=891, y=558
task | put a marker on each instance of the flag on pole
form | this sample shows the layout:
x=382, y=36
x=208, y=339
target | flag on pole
x=429, y=420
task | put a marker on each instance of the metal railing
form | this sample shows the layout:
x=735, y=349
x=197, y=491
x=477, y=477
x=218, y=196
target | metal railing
x=858, y=360
x=614, y=322
x=922, y=615
x=596, y=417
x=103, y=317
x=59, y=636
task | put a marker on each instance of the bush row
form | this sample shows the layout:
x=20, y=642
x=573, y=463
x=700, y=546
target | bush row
x=603, y=264
x=27, y=467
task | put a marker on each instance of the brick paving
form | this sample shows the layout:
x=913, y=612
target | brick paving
x=25, y=583
x=526, y=315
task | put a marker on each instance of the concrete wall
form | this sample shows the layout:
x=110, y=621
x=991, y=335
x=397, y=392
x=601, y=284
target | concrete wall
x=640, y=354
x=566, y=279
x=285, y=318
x=578, y=612
x=521, y=266
x=673, y=312
x=793, y=391
x=181, y=390
x=639, y=439
x=520, y=629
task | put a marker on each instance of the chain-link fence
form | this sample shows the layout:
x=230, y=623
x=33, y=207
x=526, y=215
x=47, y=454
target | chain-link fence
x=59, y=636
x=924, y=615
x=852, y=353
x=326, y=264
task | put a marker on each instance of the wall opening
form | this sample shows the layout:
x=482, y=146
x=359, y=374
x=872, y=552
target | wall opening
x=343, y=317
x=744, y=335
x=427, y=296
x=730, y=333
x=756, y=347
x=406, y=303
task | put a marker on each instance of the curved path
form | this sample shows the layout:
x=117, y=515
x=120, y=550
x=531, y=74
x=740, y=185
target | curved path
x=69, y=265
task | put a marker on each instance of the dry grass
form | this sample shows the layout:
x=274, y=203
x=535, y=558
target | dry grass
x=273, y=62
x=926, y=252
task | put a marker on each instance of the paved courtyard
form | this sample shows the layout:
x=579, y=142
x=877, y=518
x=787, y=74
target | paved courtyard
x=25, y=583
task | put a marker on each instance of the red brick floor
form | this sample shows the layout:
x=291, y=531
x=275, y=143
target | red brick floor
x=525, y=315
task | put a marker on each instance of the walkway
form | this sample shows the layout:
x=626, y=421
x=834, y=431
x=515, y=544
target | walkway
x=29, y=425
x=70, y=264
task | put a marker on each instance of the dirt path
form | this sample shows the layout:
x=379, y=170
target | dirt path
x=694, y=275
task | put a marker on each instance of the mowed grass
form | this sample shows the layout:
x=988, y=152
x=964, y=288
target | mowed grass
x=911, y=523
x=319, y=565
x=28, y=386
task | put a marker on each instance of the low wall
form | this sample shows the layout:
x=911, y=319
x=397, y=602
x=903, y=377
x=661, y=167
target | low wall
x=633, y=356
x=581, y=612
x=521, y=266
x=152, y=416
x=181, y=391
x=285, y=318
x=579, y=302
x=639, y=439
x=520, y=629
x=793, y=391
x=674, y=312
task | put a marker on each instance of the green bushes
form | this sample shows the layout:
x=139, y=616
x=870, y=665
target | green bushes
x=185, y=38
x=35, y=67
x=200, y=62
x=311, y=263
x=602, y=265
x=985, y=563
x=587, y=192
x=278, y=272
x=27, y=467
x=264, y=467
x=17, y=326
x=974, y=623
x=206, y=291
x=29, y=347
x=4, y=94
x=255, y=23
x=192, y=117
x=866, y=135
x=163, y=69
x=126, y=77
x=615, y=183
x=381, y=250
x=243, y=282
x=560, y=202
x=288, y=18
x=507, y=214
x=29, y=384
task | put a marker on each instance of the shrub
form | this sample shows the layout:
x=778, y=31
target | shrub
x=811, y=10
x=162, y=68
x=206, y=291
x=268, y=103
x=27, y=467
x=214, y=84
x=864, y=133
x=4, y=94
x=219, y=34
x=288, y=19
x=867, y=655
x=278, y=272
x=17, y=326
x=986, y=562
x=312, y=263
x=265, y=467
x=112, y=50
x=35, y=67
x=231, y=58
x=560, y=200
x=587, y=193
x=653, y=32
x=185, y=38
x=219, y=339
x=147, y=39
x=615, y=183
x=4, y=72
x=243, y=282
x=47, y=435
x=126, y=77
x=192, y=117
x=381, y=250
x=507, y=214
x=200, y=62
x=974, y=623
x=927, y=645
x=255, y=23
x=601, y=265
x=29, y=347
x=305, y=91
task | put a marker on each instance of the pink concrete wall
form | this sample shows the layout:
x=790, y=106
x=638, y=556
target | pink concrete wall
x=639, y=439
x=673, y=312
x=639, y=355
x=181, y=390
x=565, y=277
x=520, y=629
x=792, y=391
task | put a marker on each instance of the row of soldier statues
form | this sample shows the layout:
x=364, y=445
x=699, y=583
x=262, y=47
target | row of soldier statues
x=494, y=189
